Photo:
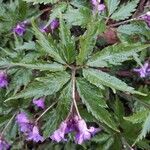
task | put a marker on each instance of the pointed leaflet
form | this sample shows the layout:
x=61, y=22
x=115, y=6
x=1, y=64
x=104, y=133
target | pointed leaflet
x=98, y=77
x=90, y=92
x=146, y=128
x=138, y=117
x=94, y=103
x=41, y=66
x=114, y=55
x=60, y=113
x=78, y=17
x=48, y=44
x=67, y=42
x=44, y=86
x=88, y=40
x=125, y=10
x=112, y=5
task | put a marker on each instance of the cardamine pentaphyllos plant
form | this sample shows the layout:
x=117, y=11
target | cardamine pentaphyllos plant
x=64, y=85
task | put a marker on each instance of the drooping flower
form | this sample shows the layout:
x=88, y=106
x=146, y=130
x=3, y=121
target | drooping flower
x=98, y=6
x=20, y=28
x=4, y=144
x=51, y=27
x=75, y=124
x=144, y=70
x=34, y=135
x=59, y=134
x=39, y=102
x=3, y=79
x=146, y=18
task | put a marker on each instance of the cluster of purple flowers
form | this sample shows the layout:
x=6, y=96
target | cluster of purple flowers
x=97, y=6
x=3, y=79
x=76, y=125
x=4, y=145
x=146, y=18
x=144, y=70
x=51, y=27
x=27, y=127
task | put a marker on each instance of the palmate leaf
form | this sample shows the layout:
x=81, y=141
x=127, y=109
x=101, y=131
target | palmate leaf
x=138, y=117
x=67, y=42
x=42, y=1
x=125, y=10
x=94, y=103
x=88, y=39
x=115, y=54
x=99, y=78
x=48, y=44
x=55, y=117
x=112, y=5
x=44, y=86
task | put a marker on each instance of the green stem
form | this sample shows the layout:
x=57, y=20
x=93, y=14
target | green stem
x=45, y=111
x=3, y=131
x=74, y=91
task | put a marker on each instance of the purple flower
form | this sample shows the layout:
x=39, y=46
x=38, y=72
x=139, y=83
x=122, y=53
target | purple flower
x=22, y=118
x=54, y=24
x=39, y=102
x=4, y=144
x=24, y=123
x=35, y=136
x=51, y=27
x=146, y=18
x=98, y=6
x=59, y=134
x=3, y=79
x=144, y=70
x=20, y=28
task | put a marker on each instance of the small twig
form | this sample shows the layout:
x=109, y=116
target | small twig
x=8, y=124
x=123, y=22
x=45, y=111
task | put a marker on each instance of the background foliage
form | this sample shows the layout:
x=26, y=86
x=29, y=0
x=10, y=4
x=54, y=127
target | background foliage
x=110, y=94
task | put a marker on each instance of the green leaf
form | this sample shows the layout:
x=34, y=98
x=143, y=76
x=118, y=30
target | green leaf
x=101, y=138
x=88, y=40
x=67, y=42
x=44, y=86
x=27, y=46
x=112, y=5
x=115, y=54
x=39, y=66
x=99, y=78
x=94, y=103
x=42, y=1
x=138, y=117
x=146, y=128
x=125, y=10
x=55, y=117
x=57, y=9
x=48, y=44
x=89, y=92
x=21, y=78
x=78, y=17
